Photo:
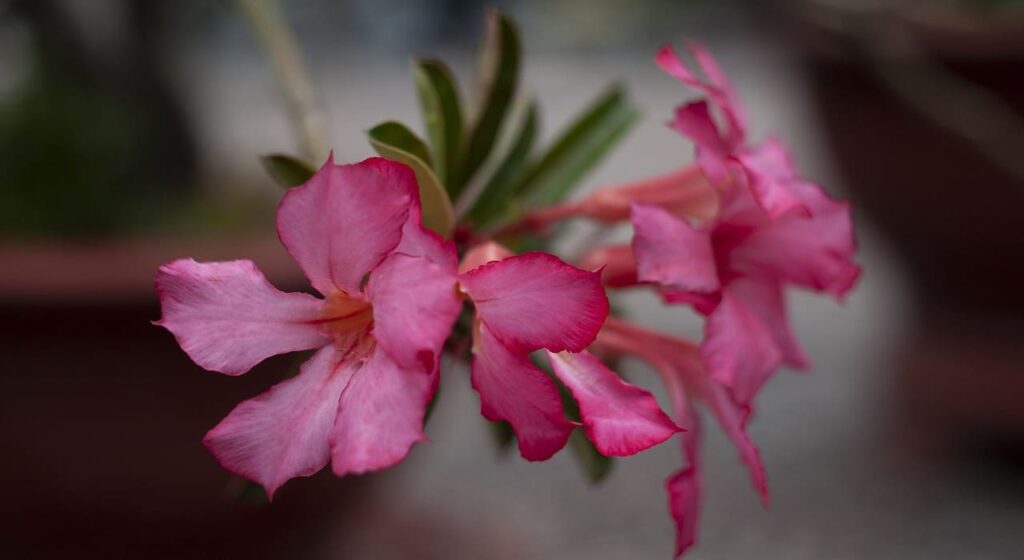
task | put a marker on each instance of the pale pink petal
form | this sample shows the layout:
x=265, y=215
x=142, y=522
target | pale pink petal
x=380, y=415
x=536, y=300
x=621, y=419
x=345, y=220
x=513, y=390
x=816, y=251
x=414, y=307
x=693, y=120
x=671, y=252
x=227, y=317
x=771, y=175
x=284, y=432
x=739, y=349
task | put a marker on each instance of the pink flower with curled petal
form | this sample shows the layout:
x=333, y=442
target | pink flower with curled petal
x=534, y=302
x=680, y=365
x=389, y=302
x=734, y=270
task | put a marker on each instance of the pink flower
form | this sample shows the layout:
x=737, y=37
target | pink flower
x=532, y=302
x=734, y=269
x=680, y=366
x=389, y=301
x=723, y=152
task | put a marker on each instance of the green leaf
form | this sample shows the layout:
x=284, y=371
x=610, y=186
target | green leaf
x=494, y=198
x=287, y=171
x=442, y=114
x=397, y=135
x=499, y=75
x=437, y=207
x=580, y=148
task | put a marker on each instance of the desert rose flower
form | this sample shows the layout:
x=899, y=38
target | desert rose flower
x=681, y=368
x=534, y=302
x=388, y=303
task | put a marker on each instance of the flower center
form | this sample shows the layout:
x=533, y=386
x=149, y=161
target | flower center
x=348, y=321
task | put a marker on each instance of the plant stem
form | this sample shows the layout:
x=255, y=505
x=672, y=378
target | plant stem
x=272, y=31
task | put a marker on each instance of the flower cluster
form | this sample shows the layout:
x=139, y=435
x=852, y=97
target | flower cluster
x=724, y=236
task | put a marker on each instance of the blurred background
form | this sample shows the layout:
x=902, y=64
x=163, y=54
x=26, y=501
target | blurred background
x=129, y=136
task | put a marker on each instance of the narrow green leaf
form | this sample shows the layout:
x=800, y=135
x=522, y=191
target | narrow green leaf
x=437, y=207
x=494, y=198
x=580, y=147
x=287, y=171
x=442, y=114
x=499, y=76
x=397, y=135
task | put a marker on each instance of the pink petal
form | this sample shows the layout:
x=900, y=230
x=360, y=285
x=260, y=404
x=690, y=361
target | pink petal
x=479, y=255
x=537, y=301
x=418, y=241
x=771, y=174
x=765, y=299
x=671, y=252
x=728, y=100
x=345, y=220
x=414, y=308
x=693, y=120
x=739, y=349
x=684, y=486
x=380, y=415
x=512, y=389
x=227, y=317
x=816, y=251
x=732, y=417
x=621, y=419
x=284, y=432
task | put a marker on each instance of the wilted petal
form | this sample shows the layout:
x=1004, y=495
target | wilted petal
x=227, y=317
x=671, y=252
x=284, y=432
x=414, y=307
x=739, y=349
x=718, y=89
x=380, y=415
x=536, y=300
x=621, y=419
x=513, y=390
x=345, y=220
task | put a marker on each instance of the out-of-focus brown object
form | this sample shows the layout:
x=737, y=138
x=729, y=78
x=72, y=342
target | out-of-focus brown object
x=923, y=107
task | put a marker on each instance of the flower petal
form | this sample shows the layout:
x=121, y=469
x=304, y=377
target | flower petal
x=770, y=175
x=816, y=251
x=718, y=89
x=536, y=300
x=380, y=415
x=683, y=487
x=418, y=241
x=766, y=300
x=414, y=308
x=345, y=220
x=671, y=252
x=617, y=264
x=513, y=390
x=693, y=120
x=284, y=432
x=227, y=317
x=732, y=417
x=621, y=419
x=739, y=349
